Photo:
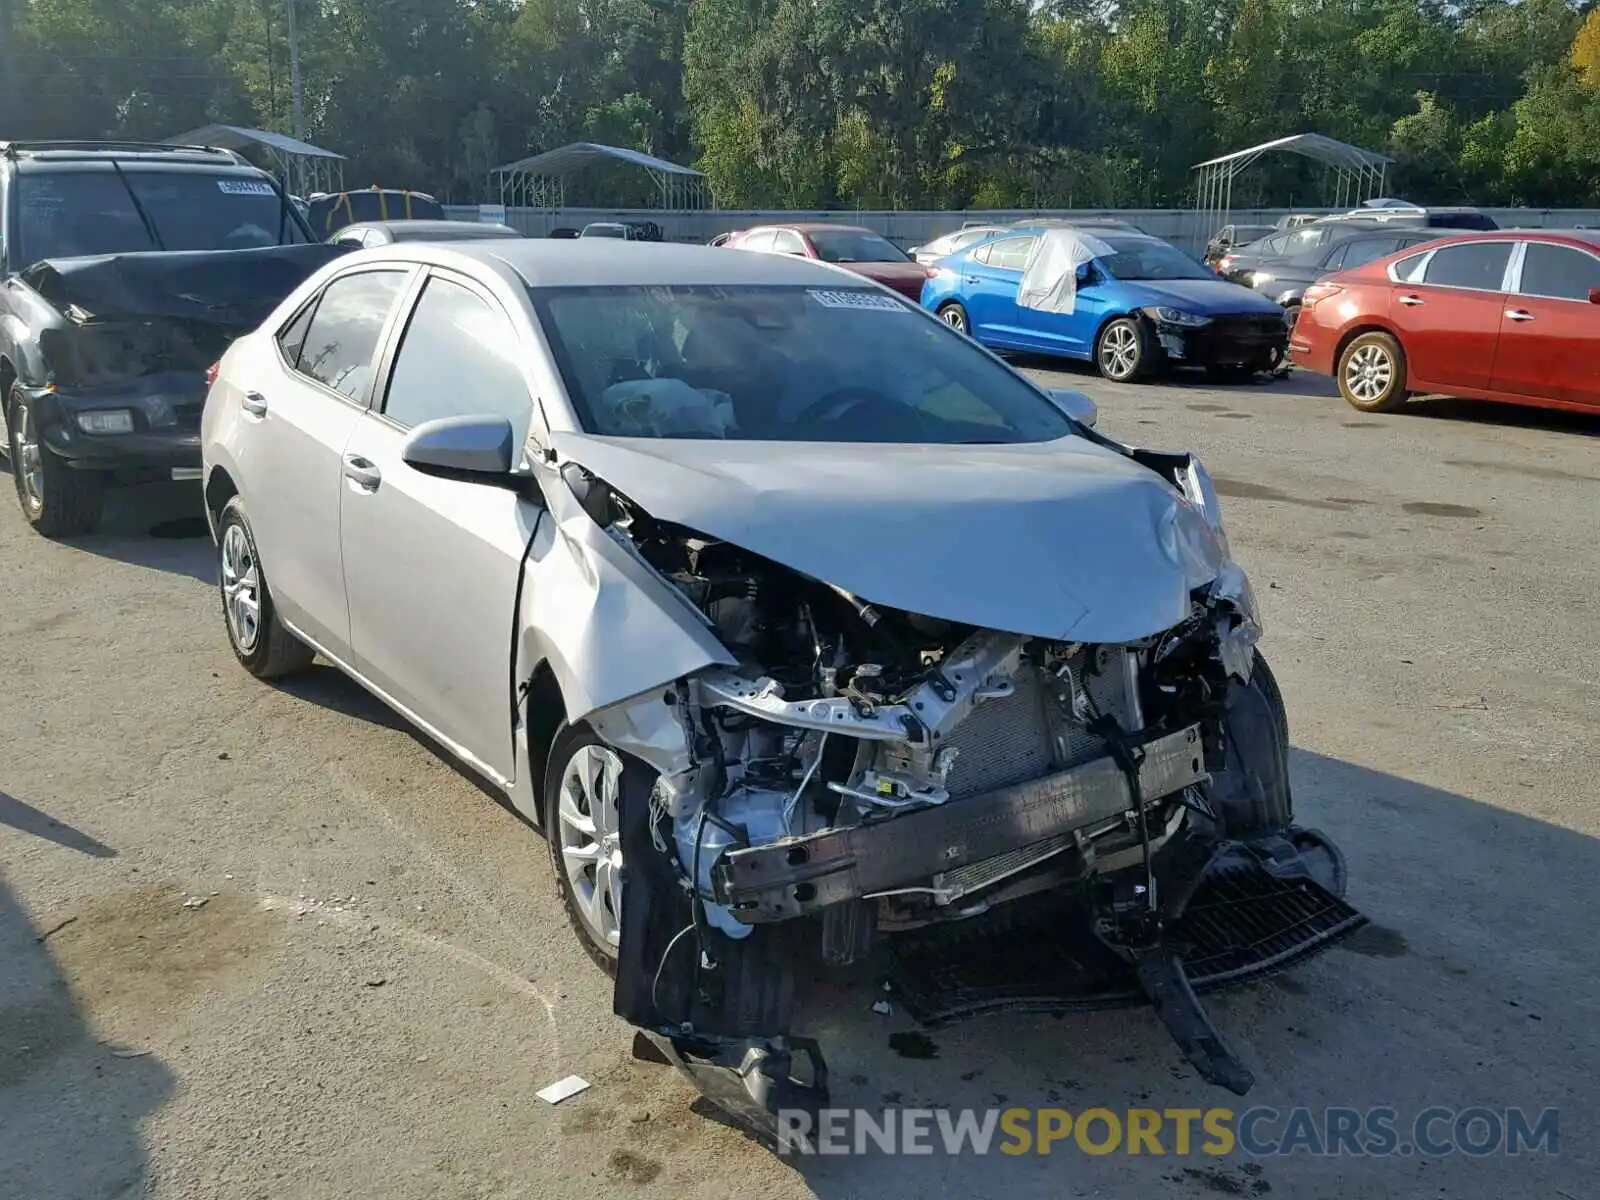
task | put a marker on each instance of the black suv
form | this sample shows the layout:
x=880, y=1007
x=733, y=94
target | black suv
x=1283, y=265
x=126, y=269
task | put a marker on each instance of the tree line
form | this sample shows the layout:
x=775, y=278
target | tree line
x=850, y=103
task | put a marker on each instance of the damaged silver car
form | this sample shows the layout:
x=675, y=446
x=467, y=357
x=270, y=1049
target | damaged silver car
x=808, y=631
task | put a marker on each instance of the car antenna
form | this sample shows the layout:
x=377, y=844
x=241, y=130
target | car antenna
x=149, y=225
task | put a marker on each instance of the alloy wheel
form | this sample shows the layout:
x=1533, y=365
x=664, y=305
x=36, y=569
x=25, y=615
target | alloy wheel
x=590, y=837
x=1369, y=373
x=954, y=318
x=1119, y=352
x=27, y=459
x=241, y=588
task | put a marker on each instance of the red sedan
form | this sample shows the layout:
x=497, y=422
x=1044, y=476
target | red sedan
x=855, y=249
x=1512, y=316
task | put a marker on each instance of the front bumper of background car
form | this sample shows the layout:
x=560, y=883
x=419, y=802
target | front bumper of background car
x=1248, y=341
x=156, y=430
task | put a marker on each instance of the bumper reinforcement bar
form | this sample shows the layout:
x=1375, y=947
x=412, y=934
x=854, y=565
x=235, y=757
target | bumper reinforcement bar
x=789, y=878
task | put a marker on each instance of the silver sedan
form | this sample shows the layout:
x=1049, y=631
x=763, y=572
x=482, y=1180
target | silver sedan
x=802, y=626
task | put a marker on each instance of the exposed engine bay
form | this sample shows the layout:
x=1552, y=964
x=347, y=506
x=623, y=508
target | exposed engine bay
x=866, y=781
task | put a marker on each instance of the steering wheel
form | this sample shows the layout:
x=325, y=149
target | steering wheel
x=840, y=401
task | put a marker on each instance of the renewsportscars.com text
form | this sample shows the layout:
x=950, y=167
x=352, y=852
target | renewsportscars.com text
x=1259, y=1132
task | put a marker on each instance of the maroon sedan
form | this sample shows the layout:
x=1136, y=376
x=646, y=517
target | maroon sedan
x=855, y=249
x=1511, y=316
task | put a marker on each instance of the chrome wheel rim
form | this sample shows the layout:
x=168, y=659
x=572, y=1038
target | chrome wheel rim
x=27, y=460
x=591, y=841
x=1119, y=351
x=1368, y=373
x=241, y=589
x=955, y=318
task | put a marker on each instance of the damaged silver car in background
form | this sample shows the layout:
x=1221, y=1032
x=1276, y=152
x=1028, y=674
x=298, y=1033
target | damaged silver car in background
x=808, y=631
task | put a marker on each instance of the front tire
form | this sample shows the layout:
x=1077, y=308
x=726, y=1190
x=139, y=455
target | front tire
x=260, y=641
x=1121, y=352
x=1372, y=373
x=583, y=825
x=56, y=500
x=955, y=316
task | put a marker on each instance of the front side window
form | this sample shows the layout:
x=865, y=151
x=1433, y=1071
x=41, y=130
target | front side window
x=761, y=240
x=843, y=246
x=1477, y=265
x=1558, y=271
x=344, y=332
x=788, y=242
x=781, y=363
x=457, y=359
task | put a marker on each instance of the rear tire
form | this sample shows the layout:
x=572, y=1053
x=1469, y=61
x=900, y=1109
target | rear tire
x=57, y=501
x=955, y=316
x=260, y=641
x=1372, y=373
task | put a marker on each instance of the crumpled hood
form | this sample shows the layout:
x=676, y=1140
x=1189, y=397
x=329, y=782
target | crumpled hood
x=1065, y=540
x=237, y=288
x=1207, y=297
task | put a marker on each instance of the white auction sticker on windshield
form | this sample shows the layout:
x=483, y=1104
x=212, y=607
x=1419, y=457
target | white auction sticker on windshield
x=855, y=299
x=245, y=187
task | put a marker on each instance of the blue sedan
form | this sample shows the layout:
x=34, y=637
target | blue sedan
x=1130, y=303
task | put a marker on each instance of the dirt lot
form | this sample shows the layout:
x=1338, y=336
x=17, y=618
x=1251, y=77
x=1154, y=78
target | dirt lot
x=262, y=942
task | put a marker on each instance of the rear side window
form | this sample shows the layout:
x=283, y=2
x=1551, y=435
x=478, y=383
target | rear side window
x=1008, y=254
x=1364, y=250
x=293, y=335
x=1558, y=271
x=1477, y=265
x=1275, y=245
x=457, y=359
x=343, y=336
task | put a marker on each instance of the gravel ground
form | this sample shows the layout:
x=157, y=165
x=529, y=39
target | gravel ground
x=263, y=942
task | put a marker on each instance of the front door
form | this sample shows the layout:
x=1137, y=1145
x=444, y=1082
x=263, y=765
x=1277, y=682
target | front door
x=1550, y=333
x=1449, y=320
x=304, y=413
x=431, y=565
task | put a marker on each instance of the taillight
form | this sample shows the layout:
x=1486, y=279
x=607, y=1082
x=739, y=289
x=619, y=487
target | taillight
x=1225, y=263
x=211, y=373
x=1319, y=292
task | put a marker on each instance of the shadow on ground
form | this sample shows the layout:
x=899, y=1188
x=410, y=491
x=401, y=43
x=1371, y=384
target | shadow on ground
x=70, y=1105
x=1469, y=988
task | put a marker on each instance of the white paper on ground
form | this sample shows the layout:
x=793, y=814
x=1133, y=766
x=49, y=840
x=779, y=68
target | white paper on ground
x=563, y=1089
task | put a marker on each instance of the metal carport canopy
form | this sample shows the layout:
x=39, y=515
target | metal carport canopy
x=539, y=180
x=1313, y=145
x=303, y=167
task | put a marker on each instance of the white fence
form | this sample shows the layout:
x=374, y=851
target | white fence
x=1180, y=225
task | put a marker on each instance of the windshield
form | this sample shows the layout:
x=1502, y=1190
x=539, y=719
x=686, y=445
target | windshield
x=786, y=363
x=1147, y=258
x=70, y=213
x=845, y=247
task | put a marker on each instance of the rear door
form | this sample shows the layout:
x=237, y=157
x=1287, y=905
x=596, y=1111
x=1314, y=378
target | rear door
x=431, y=565
x=302, y=416
x=1446, y=307
x=1550, y=334
x=990, y=277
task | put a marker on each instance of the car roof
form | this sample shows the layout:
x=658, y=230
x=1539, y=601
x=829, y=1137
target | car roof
x=816, y=227
x=604, y=262
x=1585, y=238
x=422, y=227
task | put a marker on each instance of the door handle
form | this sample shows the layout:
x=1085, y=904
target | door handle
x=1518, y=314
x=254, y=403
x=972, y=279
x=362, y=473
x=1411, y=301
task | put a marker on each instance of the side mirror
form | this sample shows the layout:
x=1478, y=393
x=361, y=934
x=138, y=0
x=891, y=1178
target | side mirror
x=1594, y=295
x=1079, y=407
x=470, y=448
x=1085, y=274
